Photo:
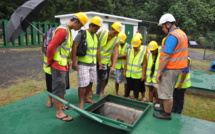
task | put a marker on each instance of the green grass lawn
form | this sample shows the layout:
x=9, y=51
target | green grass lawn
x=195, y=106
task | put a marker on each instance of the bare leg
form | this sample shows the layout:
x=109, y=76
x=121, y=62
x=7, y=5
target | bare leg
x=103, y=82
x=150, y=93
x=168, y=105
x=117, y=88
x=88, y=90
x=49, y=102
x=156, y=95
x=81, y=94
x=143, y=97
x=59, y=112
x=125, y=86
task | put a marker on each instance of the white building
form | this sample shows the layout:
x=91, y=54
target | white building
x=129, y=25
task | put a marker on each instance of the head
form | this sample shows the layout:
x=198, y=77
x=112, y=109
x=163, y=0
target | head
x=153, y=47
x=167, y=21
x=116, y=28
x=95, y=23
x=135, y=43
x=79, y=20
x=122, y=37
x=138, y=35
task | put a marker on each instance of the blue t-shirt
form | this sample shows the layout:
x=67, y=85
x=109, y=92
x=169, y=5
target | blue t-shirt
x=170, y=43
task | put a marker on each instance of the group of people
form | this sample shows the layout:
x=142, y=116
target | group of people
x=107, y=52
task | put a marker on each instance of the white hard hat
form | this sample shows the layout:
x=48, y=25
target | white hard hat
x=166, y=18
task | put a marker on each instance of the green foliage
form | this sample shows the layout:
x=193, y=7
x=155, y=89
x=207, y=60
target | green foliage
x=193, y=16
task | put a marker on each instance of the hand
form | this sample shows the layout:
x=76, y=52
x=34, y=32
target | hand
x=158, y=77
x=100, y=66
x=112, y=70
x=74, y=66
x=179, y=86
x=124, y=74
x=143, y=78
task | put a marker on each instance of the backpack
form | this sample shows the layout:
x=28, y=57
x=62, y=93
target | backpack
x=48, y=37
x=82, y=48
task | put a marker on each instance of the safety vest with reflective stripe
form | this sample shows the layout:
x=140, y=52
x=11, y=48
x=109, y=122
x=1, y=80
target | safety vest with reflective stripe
x=152, y=78
x=92, y=44
x=106, y=48
x=45, y=68
x=62, y=54
x=187, y=82
x=121, y=51
x=134, y=63
x=178, y=59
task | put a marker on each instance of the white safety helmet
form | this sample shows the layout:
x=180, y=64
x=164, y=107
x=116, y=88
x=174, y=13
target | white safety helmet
x=166, y=18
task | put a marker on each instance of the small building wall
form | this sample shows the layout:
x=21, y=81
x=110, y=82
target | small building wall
x=129, y=25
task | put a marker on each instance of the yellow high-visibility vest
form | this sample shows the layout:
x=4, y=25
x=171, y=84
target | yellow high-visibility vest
x=92, y=44
x=187, y=82
x=152, y=78
x=106, y=48
x=134, y=67
x=62, y=54
x=121, y=51
x=45, y=68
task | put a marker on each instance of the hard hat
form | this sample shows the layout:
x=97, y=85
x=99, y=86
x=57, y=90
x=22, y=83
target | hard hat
x=163, y=40
x=82, y=17
x=166, y=18
x=97, y=21
x=135, y=42
x=138, y=35
x=153, y=45
x=122, y=36
x=117, y=26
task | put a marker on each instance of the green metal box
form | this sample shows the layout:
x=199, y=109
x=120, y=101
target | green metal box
x=119, y=112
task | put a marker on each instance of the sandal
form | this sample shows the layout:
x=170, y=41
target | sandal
x=62, y=118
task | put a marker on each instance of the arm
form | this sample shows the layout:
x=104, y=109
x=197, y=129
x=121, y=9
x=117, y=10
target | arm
x=165, y=59
x=125, y=65
x=122, y=56
x=144, y=65
x=182, y=79
x=98, y=56
x=74, y=51
x=115, y=57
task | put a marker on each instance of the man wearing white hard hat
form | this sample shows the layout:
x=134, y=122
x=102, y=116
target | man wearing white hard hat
x=173, y=59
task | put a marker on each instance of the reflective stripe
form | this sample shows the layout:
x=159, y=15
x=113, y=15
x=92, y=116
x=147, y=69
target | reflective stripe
x=150, y=76
x=103, y=34
x=184, y=80
x=105, y=57
x=134, y=65
x=149, y=69
x=91, y=48
x=91, y=55
x=106, y=51
x=131, y=71
x=64, y=47
x=177, y=59
x=64, y=56
x=120, y=62
x=181, y=50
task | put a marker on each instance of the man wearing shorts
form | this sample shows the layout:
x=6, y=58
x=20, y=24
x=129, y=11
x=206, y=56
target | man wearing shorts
x=108, y=45
x=122, y=50
x=173, y=58
x=86, y=65
x=58, y=55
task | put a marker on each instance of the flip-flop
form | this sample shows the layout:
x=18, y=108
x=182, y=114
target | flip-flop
x=64, y=118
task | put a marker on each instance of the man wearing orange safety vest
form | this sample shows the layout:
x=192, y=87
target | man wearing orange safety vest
x=173, y=58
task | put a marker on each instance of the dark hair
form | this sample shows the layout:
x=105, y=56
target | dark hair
x=93, y=25
x=75, y=18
